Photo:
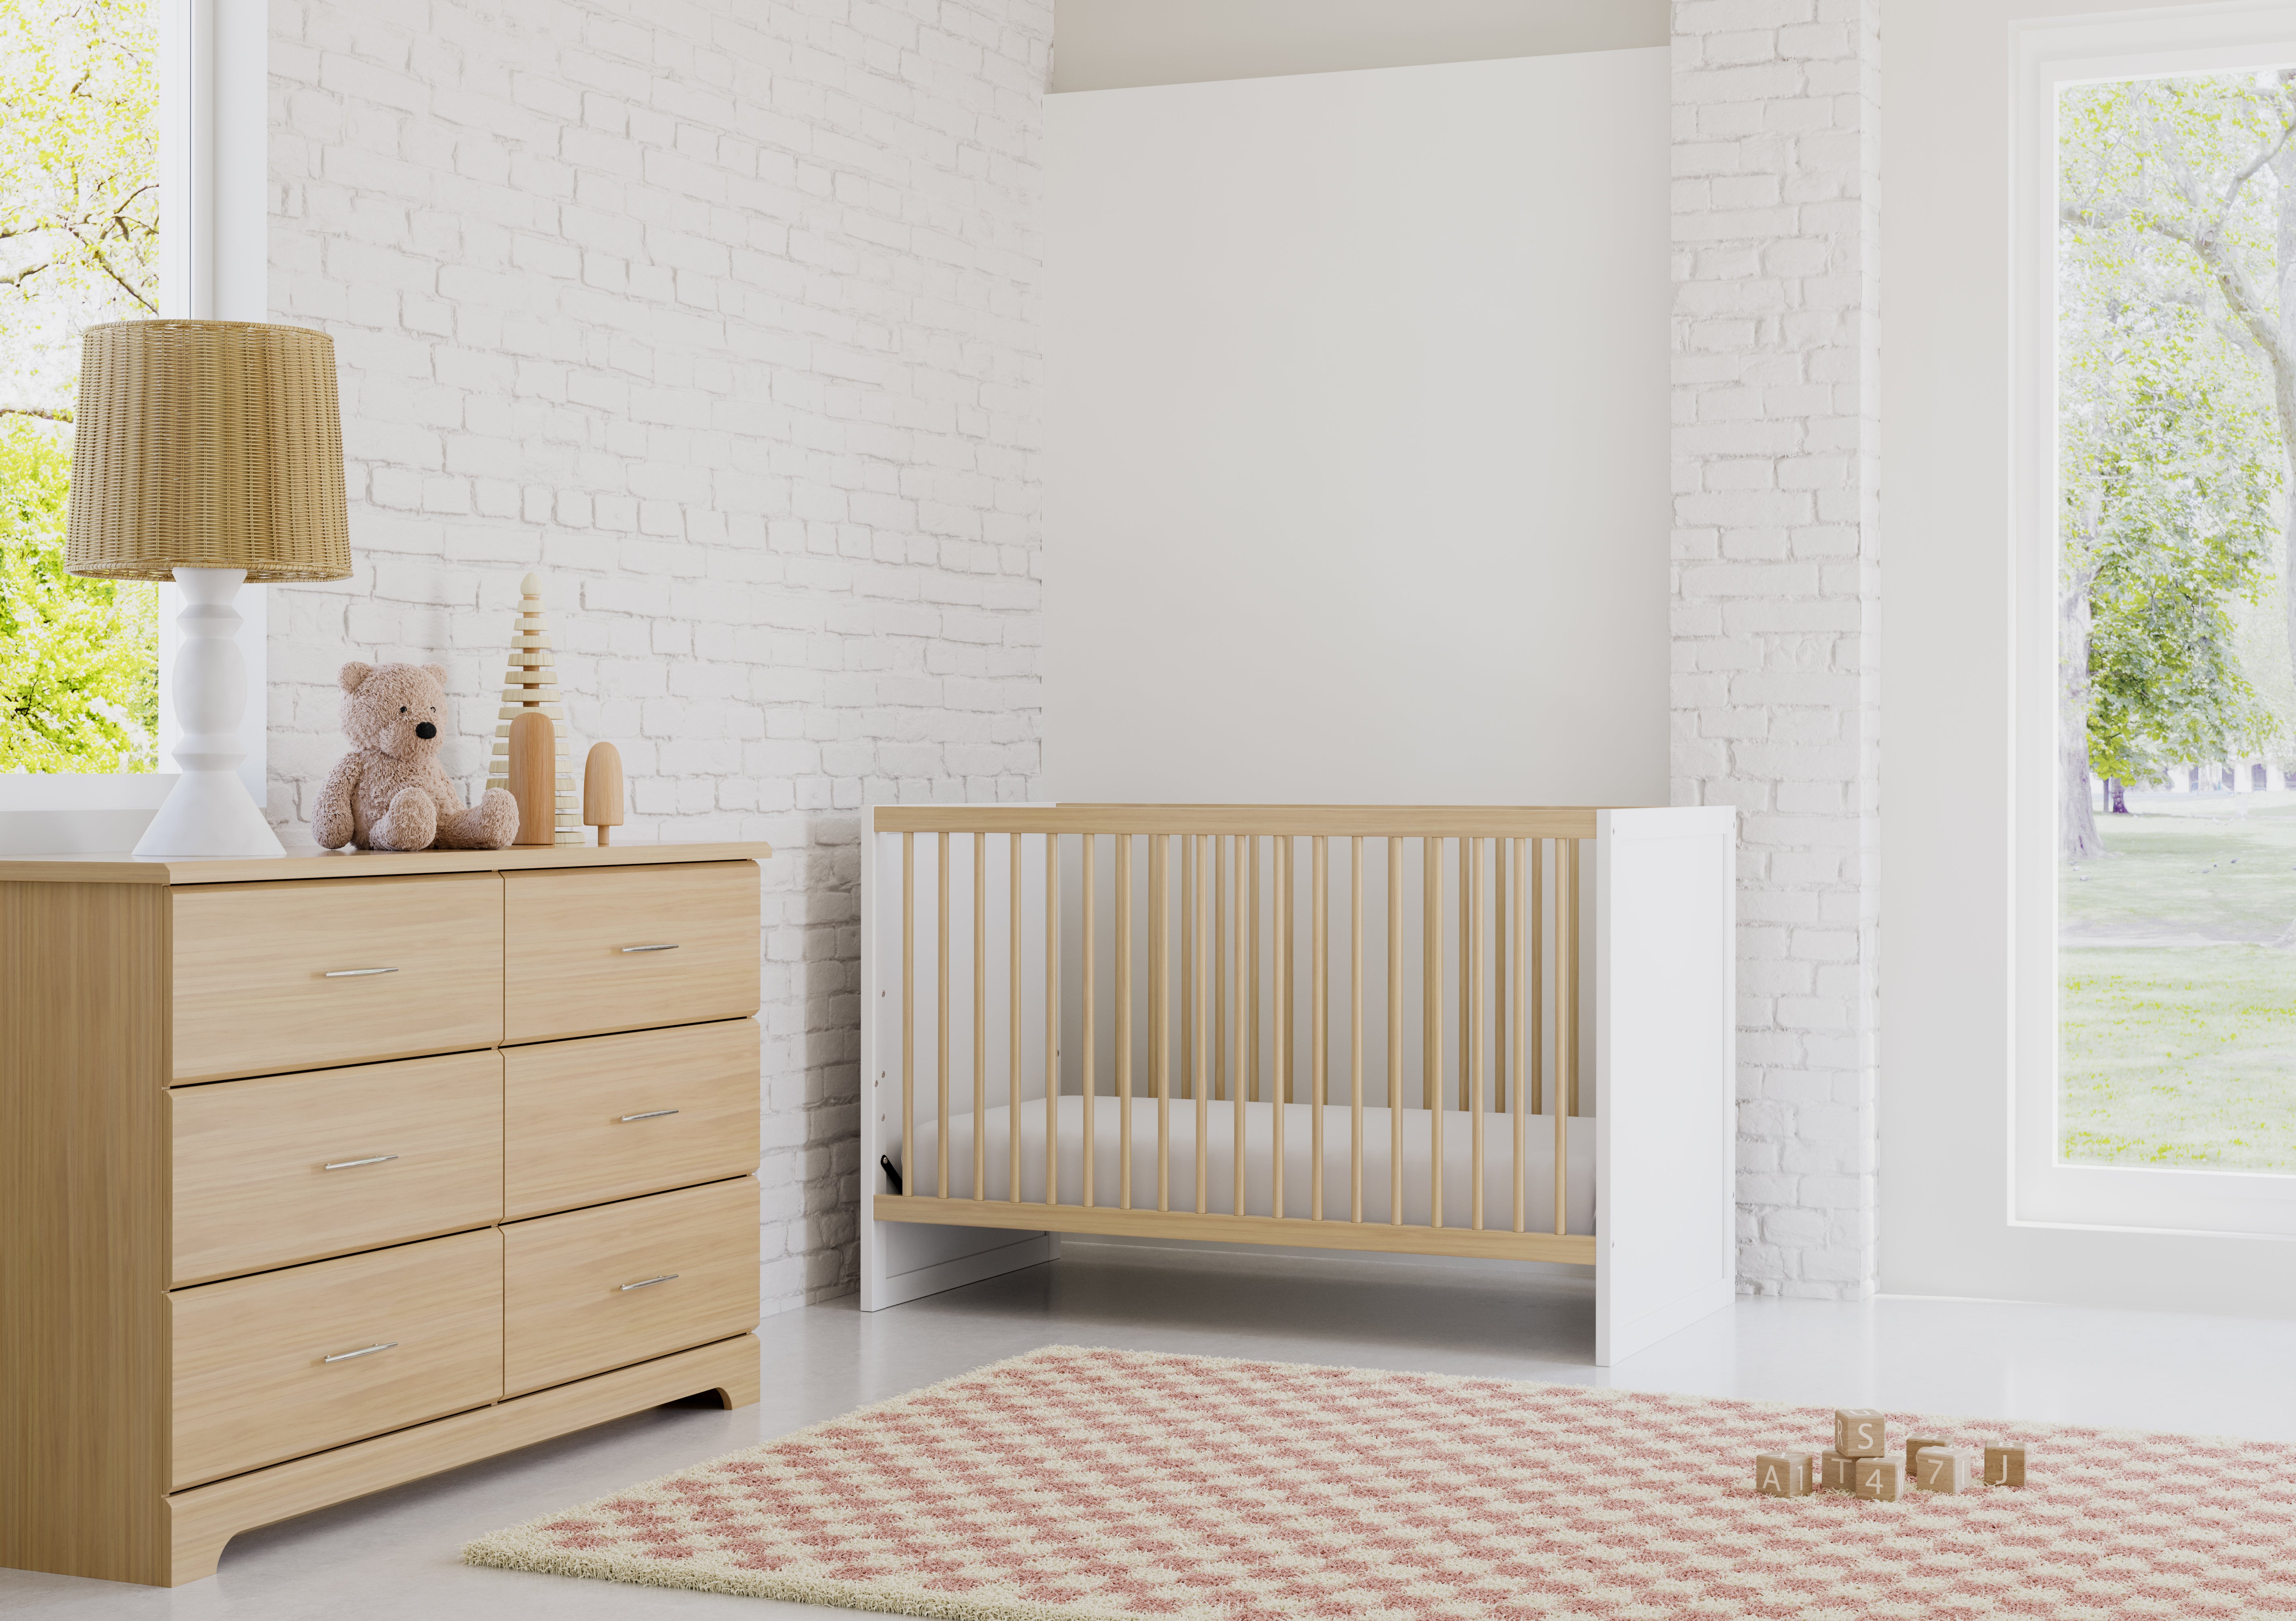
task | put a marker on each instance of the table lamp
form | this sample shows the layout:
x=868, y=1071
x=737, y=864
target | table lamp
x=210, y=453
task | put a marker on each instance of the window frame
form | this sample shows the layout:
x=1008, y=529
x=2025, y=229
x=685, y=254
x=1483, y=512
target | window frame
x=213, y=67
x=2044, y=1190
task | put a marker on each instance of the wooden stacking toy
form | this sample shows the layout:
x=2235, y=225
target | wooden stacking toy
x=532, y=752
x=602, y=790
x=530, y=686
x=1858, y=1462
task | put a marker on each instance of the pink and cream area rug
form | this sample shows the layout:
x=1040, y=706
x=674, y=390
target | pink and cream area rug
x=1114, y=1483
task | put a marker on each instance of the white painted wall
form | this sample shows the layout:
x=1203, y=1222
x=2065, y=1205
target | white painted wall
x=1355, y=448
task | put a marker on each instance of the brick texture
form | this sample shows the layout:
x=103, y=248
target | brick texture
x=1775, y=589
x=720, y=315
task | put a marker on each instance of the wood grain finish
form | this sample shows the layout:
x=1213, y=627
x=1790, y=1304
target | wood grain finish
x=252, y=963
x=1224, y=1228
x=337, y=864
x=201, y=1521
x=1277, y=821
x=568, y=1309
x=253, y=1183
x=83, y=1225
x=570, y=969
x=571, y=1138
x=251, y=1385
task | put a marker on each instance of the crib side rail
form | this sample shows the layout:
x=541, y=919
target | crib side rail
x=1129, y=956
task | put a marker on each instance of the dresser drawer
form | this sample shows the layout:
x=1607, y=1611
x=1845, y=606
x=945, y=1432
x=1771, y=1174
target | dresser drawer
x=252, y=1381
x=272, y=977
x=291, y=1168
x=628, y=948
x=615, y=1284
x=606, y=1117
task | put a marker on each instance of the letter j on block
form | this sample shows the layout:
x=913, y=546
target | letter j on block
x=1782, y=1474
x=1860, y=1432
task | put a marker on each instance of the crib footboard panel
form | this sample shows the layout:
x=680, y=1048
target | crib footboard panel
x=1665, y=995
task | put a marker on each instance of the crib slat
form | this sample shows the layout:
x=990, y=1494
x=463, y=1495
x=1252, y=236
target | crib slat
x=1470, y=1031
x=1236, y=968
x=1520, y=916
x=1012, y=1022
x=1052, y=1018
x=1466, y=977
x=1431, y=1019
x=940, y=1117
x=1200, y=1026
x=1221, y=846
x=1500, y=1074
x=1566, y=1018
x=1355, y=1031
x=1535, y=1013
x=1570, y=848
x=1088, y=1081
x=1279, y=1089
x=1250, y=900
x=1124, y=1021
x=980, y=1013
x=909, y=1006
x=1395, y=1033
x=1319, y=1005
x=1160, y=1006
x=1187, y=964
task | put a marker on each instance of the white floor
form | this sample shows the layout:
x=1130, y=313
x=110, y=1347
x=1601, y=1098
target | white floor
x=394, y=1554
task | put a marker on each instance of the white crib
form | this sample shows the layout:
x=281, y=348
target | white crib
x=1372, y=1028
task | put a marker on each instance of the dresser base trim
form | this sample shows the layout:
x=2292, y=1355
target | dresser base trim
x=202, y=1519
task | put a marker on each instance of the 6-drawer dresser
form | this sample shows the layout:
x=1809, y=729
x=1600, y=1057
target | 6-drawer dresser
x=323, y=1172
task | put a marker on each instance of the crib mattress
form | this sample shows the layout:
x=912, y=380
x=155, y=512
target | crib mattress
x=1299, y=1160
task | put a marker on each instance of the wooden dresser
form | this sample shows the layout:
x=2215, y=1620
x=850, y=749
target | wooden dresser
x=323, y=1172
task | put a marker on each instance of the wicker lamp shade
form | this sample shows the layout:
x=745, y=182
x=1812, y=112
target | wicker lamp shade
x=207, y=444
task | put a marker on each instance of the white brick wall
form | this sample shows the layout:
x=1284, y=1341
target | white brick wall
x=1775, y=583
x=719, y=313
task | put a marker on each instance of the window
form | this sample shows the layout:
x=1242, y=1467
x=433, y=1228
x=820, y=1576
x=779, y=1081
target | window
x=2156, y=1019
x=79, y=244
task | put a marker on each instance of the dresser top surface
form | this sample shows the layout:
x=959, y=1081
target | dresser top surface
x=123, y=867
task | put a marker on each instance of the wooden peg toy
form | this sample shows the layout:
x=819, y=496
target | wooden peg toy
x=1879, y=1478
x=532, y=761
x=530, y=686
x=1947, y=1468
x=1837, y=1472
x=2005, y=1466
x=1860, y=1432
x=1782, y=1474
x=601, y=789
x=1913, y=1445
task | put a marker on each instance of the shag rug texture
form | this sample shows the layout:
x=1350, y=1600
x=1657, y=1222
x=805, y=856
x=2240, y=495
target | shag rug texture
x=1076, y=1483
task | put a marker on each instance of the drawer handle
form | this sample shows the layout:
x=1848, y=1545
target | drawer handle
x=647, y=1283
x=649, y=1115
x=345, y=1165
x=672, y=946
x=345, y=1356
x=354, y=973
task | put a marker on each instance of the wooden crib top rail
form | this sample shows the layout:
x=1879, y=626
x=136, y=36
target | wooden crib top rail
x=1298, y=821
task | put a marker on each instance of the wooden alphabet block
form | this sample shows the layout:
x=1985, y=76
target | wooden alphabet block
x=1945, y=1469
x=1914, y=1445
x=1836, y=1472
x=1782, y=1474
x=2005, y=1466
x=1879, y=1478
x=1860, y=1432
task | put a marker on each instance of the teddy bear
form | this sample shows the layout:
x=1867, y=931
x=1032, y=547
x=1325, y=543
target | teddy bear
x=389, y=791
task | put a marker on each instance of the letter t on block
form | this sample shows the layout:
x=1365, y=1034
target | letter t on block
x=1782, y=1474
x=1860, y=1432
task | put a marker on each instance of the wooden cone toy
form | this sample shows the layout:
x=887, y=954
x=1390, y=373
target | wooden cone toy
x=530, y=685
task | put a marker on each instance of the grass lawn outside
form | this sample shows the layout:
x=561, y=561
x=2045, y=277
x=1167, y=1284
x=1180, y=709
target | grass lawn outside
x=2176, y=1001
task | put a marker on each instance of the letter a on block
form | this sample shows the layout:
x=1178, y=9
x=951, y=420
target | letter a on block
x=1860, y=1432
x=1782, y=1474
x=2005, y=1466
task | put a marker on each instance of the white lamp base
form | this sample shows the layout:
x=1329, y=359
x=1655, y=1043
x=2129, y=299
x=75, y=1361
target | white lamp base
x=210, y=811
